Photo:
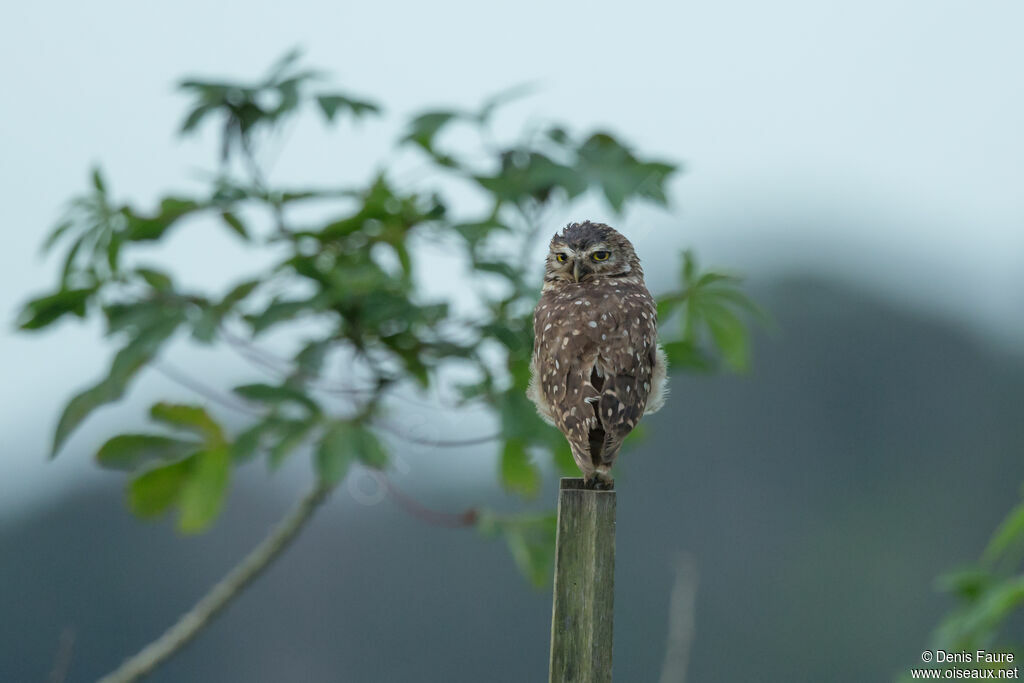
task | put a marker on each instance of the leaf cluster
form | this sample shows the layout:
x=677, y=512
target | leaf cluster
x=348, y=289
x=990, y=594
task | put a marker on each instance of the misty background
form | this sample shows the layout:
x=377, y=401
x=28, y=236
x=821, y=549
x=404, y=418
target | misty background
x=861, y=162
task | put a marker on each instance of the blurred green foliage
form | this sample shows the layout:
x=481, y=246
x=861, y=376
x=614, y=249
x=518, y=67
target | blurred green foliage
x=349, y=285
x=990, y=595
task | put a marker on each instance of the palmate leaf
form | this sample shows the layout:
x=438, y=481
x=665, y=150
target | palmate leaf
x=197, y=485
x=712, y=311
x=609, y=165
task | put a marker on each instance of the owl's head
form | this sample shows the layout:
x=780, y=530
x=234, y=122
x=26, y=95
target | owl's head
x=585, y=251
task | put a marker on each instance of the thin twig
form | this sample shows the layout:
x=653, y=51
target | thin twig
x=222, y=593
x=179, y=377
x=262, y=358
x=454, y=520
x=281, y=367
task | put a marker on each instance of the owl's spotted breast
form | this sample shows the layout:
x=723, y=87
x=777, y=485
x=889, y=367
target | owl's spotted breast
x=595, y=350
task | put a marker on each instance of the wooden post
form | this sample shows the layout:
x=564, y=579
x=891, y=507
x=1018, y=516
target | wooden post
x=584, y=594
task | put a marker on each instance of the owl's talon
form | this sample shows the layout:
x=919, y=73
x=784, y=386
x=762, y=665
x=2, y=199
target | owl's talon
x=599, y=481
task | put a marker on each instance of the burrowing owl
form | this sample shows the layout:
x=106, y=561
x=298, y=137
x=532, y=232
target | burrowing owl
x=597, y=366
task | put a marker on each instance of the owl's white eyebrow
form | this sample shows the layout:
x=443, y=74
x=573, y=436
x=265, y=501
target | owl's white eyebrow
x=597, y=247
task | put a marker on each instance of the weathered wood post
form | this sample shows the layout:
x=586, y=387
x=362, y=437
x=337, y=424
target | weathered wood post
x=584, y=593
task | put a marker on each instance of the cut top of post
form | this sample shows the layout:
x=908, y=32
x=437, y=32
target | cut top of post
x=577, y=484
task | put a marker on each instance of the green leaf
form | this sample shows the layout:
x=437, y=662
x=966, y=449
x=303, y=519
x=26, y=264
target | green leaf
x=967, y=584
x=267, y=393
x=518, y=474
x=531, y=541
x=331, y=104
x=279, y=311
x=46, y=310
x=189, y=418
x=153, y=492
x=128, y=361
x=144, y=228
x=612, y=167
x=689, y=266
x=425, y=127
x=531, y=175
x=248, y=442
x=97, y=180
x=130, y=451
x=202, y=495
x=58, y=231
x=1009, y=533
x=233, y=222
x=369, y=450
x=238, y=293
x=495, y=102
x=729, y=334
x=311, y=358
x=196, y=116
x=335, y=453
x=291, y=435
x=519, y=418
x=156, y=279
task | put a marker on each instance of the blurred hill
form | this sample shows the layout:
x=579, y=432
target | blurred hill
x=870, y=450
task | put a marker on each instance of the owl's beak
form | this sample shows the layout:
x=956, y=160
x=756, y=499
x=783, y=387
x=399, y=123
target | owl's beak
x=580, y=271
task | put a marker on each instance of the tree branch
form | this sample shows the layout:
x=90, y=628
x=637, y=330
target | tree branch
x=222, y=593
x=453, y=520
x=181, y=378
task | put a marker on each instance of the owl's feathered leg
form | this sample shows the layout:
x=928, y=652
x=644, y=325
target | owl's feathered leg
x=581, y=454
x=601, y=480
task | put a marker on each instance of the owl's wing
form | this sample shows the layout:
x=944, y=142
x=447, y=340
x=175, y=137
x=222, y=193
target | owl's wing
x=627, y=360
x=564, y=354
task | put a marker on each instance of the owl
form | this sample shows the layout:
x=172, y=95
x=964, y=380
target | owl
x=596, y=366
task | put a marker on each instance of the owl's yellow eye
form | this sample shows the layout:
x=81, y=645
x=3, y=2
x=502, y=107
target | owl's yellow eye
x=601, y=255
x=560, y=257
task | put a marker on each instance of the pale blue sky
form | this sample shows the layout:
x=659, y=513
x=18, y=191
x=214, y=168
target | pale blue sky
x=878, y=141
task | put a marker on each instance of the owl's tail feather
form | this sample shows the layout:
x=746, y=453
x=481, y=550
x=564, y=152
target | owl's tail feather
x=596, y=446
